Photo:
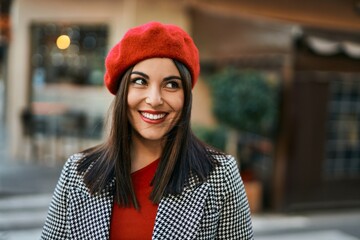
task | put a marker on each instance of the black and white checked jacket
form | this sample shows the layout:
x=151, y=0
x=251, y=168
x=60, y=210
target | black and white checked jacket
x=216, y=209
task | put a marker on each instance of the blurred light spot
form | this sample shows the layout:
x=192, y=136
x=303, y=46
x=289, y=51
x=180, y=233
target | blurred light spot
x=63, y=42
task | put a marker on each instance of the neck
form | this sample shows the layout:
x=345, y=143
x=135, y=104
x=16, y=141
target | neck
x=144, y=152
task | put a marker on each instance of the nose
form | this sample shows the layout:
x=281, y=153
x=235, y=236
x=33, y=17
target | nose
x=154, y=97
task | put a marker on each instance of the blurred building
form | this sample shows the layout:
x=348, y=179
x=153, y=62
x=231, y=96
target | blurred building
x=314, y=47
x=311, y=50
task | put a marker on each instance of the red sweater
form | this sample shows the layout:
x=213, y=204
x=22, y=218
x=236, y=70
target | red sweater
x=127, y=222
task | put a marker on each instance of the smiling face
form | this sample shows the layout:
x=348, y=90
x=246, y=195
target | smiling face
x=155, y=98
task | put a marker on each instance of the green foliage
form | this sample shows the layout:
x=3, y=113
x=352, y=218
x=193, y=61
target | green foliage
x=244, y=100
x=215, y=137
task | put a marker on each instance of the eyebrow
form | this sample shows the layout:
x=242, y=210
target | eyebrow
x=140, y=73
x=165, y=79
x=172, y=77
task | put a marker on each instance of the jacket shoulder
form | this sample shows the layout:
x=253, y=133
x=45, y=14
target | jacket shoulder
x=225, y=161
x=225, y=173
x=69, y=171
x=73, y=160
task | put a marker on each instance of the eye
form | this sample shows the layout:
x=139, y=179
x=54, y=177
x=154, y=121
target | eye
x=173, y=84
x=138, y=81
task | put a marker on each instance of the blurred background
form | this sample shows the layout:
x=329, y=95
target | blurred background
x=279, y=89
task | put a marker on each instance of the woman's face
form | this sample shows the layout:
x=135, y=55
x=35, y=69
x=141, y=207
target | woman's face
x=155, y=98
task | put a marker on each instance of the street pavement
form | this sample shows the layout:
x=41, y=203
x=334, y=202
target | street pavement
x=329, y=225
x=25, y=193
x=22, y=216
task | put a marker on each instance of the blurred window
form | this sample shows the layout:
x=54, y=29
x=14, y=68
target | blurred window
x=68, y=54
x=343, y=129
x=68, y=100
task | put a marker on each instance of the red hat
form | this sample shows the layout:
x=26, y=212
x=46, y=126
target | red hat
x=150, y=40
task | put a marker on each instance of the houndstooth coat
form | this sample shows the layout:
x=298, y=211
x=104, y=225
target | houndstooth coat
x=216, y=209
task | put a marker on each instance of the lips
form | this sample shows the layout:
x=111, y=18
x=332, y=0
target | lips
x=153, y=117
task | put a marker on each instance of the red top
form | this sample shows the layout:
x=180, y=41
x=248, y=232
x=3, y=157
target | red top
x=127, y=222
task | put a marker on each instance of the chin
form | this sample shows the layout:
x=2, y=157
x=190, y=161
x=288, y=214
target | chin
x=153, y=137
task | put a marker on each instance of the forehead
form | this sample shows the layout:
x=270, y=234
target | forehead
x=157, y=66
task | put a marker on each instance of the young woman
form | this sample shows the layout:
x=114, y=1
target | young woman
x=152, y=178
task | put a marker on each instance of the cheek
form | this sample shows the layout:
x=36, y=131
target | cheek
x=178, y=104
x=179, y=107
x=131, y=99
x=131, y=104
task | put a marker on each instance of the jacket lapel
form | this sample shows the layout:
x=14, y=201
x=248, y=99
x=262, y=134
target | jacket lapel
x=178, y=216
x=89, y=215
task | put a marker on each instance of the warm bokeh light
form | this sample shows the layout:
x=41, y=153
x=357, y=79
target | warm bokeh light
x=63, y=42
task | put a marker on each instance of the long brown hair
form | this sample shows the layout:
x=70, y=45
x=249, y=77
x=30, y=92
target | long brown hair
x=183, y=153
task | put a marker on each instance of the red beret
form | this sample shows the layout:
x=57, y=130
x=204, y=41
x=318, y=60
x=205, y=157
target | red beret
x=150, y=40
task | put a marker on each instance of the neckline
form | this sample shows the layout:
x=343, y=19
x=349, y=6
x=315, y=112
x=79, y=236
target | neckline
x=150, y=165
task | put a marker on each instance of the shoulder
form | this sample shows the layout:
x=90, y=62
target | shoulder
x=69, y=170
x=222, y=159
x=226, y=173
x=73, y=161
x=225, y=163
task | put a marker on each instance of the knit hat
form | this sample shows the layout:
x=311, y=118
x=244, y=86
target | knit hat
x=150, y=40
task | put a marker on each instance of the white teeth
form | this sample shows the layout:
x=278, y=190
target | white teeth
x=153, y=116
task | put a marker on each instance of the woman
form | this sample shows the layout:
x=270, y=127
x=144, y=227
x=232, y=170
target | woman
x=152, y=178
